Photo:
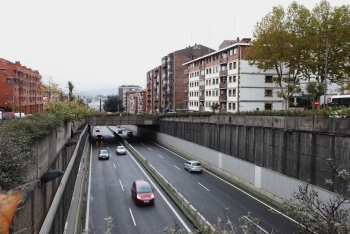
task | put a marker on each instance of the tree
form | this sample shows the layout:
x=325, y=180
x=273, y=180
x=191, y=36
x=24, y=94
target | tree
x=70, y=93
x=52, y=90
x=214, y=107
x=275, y=48
x=113, y=104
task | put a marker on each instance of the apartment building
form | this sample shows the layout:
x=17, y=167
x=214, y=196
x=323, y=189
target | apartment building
x=166, y=87
x=141, y=107
x=123, y=89
x=20, y=88
x=225, y=77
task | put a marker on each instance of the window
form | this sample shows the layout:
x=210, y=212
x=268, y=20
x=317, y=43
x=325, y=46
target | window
x=234, y=78
x=268, y=93
x=234, y=65
x=268, y=79
x=234, y=92
x=230, y=66
x=268, y=106
x=234, y=106
x=235, y=51
x=231, y=52
x=230, y=79
x=229, y=92
x=230, y=106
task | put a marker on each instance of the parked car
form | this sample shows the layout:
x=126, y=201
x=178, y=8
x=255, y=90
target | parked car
x=120, y=131
x=103, y=154
x=193, y=165
x=129, y=134
x=121, y=150
x=142, y=192
x=8, y=115
x=97, y=130
x=19, y=115
x=123, y=128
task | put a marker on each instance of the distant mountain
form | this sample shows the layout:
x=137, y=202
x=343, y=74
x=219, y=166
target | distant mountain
x=95, y=92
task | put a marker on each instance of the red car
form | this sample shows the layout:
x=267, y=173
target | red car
x=142, y=192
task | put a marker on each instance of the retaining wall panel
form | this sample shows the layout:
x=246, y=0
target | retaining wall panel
x=305, y=157
x=291, y=154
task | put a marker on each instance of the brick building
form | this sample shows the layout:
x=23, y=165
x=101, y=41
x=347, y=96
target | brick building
x=166, y=84
x=123, y=89
x=20, y=88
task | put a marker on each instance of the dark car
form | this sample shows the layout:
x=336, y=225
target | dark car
x=129, y=134
x=103, y=154
x=8, y=115
x=99, y=137
x=142, y=192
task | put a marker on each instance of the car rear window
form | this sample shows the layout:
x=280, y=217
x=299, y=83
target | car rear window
x=196, y=164
x=143, y=188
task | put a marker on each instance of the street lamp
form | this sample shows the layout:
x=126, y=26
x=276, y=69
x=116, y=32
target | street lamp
x=325, y=70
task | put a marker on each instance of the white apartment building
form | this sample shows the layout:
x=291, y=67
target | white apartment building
x=224, y=77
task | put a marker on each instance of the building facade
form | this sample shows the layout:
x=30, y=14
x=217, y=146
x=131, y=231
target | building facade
x=122, y=90
x=225, y=78
x=166, y=87
x=20, y=88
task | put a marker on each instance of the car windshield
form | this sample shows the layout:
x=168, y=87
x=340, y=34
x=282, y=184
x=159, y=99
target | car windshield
x=143, y=188
x=103, y=152
x=196, y=164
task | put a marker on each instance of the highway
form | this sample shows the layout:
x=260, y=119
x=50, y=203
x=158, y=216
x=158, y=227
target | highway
x=210, y=195
x=110, y=195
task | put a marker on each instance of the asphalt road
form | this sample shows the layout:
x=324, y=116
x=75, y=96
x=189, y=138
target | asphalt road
x=210, y=195
x=110, y=194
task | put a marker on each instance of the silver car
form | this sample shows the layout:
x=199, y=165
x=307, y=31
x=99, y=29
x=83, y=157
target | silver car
x=120, y=150
x=193, y=165
x=103, y=154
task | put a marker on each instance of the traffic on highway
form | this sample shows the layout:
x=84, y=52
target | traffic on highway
x=112, y=182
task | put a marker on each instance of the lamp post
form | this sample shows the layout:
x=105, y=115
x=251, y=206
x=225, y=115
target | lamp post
x=325, y=70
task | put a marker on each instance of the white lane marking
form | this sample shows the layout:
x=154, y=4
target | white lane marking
x=114, y=166
x=88, y=195
x=203, y=186
x=161, y=194
x=149, y=148
x=177, y=168
x=132, y=217
x=270, y=207
x=160, y=155
x=121, y=184
x=255, y=224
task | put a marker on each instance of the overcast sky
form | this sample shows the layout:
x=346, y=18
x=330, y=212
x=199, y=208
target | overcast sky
x=100, y=45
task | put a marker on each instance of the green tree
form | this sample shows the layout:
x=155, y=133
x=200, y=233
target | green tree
x=71, y=88
x=215, y=106
x=71, y=111
x=51, y=89
x=113, y=104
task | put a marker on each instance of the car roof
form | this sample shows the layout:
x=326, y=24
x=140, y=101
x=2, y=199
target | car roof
x=120, y=146
x=193, y=161
x=103, y=151
x=141, y=181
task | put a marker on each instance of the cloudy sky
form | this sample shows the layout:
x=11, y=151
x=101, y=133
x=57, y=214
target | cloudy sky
x=100, y=45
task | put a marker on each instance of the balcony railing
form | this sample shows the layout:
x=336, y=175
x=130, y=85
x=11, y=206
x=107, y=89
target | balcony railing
x=201, y=98
x=201, y=77
x=223, y=98
x=202, y=87
x=223, y=85
x=201, y=66
x=223, y=73
x=223, y=60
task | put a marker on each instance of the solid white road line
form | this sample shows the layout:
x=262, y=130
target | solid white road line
x=255, y=224
x=161, y=194
x=88, y=196
x=177, y=168
x=203, y=186
x=132, y=217
x=121, y=184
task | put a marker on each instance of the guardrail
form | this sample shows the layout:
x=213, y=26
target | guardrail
x=192, y=214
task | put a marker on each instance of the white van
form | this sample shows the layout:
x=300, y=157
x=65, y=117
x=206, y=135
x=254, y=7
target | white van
x=20, y=115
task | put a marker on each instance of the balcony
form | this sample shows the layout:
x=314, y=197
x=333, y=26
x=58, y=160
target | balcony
x=201, y=66
x=223, y=60
x=201, y=87
x=201, y=77
x=186, y=71
x=223, y=85
x=223, y=98
x=164, y=63
x=170, y=76
x=186, y=80
x=202, y=98
x=223, y=73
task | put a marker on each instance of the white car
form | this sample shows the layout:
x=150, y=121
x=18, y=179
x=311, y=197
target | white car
x=193, y=165
x=120, y=150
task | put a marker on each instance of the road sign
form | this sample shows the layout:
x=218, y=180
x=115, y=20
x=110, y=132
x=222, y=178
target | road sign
x=316, y=103
x=329, y=100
